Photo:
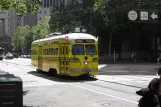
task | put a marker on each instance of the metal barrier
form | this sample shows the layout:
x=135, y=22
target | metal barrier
x=11, y=91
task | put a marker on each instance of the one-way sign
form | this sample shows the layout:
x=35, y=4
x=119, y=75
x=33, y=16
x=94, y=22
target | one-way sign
x=154, y=15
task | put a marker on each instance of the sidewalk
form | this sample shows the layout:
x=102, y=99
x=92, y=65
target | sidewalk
x=135, y=75
x=128, y=80
x=126, y=59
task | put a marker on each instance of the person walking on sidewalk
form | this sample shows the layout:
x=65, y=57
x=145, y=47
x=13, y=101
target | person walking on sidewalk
x=158, y=59
x=151, y=94
x=134, y=57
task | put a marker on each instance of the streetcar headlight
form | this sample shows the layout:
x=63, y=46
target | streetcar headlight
x=86, y=63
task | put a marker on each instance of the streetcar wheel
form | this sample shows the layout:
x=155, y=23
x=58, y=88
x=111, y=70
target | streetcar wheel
x=39, y=71
x=52, y=72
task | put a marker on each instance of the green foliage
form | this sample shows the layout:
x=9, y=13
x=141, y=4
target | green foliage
x=65, y=19
x=40, y=30
x=114, y=12
x=88, y=3
x=21, y=6
x=22, y=37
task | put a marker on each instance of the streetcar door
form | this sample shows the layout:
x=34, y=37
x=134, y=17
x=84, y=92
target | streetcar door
x=64, y=53
x=66, y=58
x=40, y=58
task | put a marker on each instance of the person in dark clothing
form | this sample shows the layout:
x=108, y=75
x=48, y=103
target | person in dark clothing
x=151, y=94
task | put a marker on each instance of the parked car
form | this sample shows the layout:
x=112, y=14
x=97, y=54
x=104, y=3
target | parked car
x=9, y=56
x=15, y=55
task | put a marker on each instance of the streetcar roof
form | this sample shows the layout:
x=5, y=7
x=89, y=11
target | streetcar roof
x=71, y=37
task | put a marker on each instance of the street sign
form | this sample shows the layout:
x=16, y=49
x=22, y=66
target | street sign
x=77, y=29
x=83, y=30
x=154, y=15
x=132, y=15
x=143, y=15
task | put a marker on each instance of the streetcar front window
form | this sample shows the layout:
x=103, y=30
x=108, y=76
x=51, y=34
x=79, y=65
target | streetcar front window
x=90, y=49
x=78, y=49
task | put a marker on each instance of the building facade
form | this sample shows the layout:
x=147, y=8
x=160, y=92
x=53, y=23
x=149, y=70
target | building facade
x=47, y=6
x=2, y=27
x=4, y=23
x=7, y=22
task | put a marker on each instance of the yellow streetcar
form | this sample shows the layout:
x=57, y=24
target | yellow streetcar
x=72, y=54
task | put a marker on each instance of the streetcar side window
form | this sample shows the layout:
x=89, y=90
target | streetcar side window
x=50, y=51
x=33, y=52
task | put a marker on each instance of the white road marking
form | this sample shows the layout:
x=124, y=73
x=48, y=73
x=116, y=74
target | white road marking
x=38, y=85
x=104, y=94
x=102, y=66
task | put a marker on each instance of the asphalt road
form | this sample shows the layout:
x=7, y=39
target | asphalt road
x=42, y=90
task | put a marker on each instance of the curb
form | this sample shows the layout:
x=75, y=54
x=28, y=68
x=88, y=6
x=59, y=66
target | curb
x=120, y=83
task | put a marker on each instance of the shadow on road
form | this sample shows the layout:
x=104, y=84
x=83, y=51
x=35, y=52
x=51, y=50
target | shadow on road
x=25, y=92
x=62, y=78
x=27, y=106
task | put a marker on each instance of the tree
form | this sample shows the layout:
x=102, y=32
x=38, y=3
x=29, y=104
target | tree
x=22, y=38
x=66, y=18
x=21, y=6
x=40, y=30
x=114, y=15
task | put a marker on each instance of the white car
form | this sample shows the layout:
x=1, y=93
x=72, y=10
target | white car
x=9, y=56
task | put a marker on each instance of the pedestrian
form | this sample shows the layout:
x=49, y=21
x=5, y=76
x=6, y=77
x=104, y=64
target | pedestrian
x=151, y=96
x=158, y=59
x=134, y=57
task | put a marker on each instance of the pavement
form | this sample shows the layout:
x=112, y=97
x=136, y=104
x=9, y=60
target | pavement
x=135, y=75
x=132, y=74
x=42, y=90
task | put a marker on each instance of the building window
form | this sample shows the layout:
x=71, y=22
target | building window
x=40, y=12
x=44, y=3
x=40, y=2
x=51, y=4
x=47, y=3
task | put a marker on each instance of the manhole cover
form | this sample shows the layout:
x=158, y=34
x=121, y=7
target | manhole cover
x=105, y=104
